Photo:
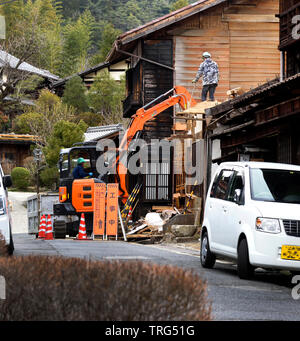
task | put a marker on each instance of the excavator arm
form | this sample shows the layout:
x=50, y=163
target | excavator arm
x=143, y=115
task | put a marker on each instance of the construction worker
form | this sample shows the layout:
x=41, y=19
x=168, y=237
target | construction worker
x=78, y=171
x=209, y=71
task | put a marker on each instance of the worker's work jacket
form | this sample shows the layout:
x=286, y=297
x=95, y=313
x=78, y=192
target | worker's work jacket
x=209, y=71
x=79, y=172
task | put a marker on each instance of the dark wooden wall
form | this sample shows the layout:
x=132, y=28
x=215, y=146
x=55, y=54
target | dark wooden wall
x=13, y=156
x=156, y=81
x=288, y=10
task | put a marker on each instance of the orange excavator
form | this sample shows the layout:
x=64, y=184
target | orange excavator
x=143, y=115
x=77, y=196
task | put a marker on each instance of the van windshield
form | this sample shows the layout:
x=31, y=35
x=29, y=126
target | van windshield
x=275, y=185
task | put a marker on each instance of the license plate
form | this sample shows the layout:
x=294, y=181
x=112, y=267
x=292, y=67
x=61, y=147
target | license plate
x=290, y=252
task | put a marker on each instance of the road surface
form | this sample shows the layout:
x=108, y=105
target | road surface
x=267, y=297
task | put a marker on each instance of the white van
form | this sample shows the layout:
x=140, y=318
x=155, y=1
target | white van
x=5, y=217
x=252, y=215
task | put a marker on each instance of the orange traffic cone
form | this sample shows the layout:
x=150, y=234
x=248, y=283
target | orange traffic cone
x=49, y=232
x=42, y=229
x=82, y=229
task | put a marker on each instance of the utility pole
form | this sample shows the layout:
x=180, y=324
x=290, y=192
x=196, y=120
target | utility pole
x=37, y=154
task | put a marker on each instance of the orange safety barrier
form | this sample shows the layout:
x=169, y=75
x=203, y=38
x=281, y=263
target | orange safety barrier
x=112, y=210
x=106, y=207
x=99, y=209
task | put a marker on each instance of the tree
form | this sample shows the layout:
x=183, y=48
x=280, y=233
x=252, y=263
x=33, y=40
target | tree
x=64, y=135
x=105, y=97
x=30, y=25
x=74, y=94
x=109, y=35
x=10, y=73
x=77, y=44
x=13, y=13
x=40, y=119
x=43, y=18
x=178, y=4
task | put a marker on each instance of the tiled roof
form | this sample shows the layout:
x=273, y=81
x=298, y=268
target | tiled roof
x=9, y=60
x=264, y=88
x=97, y=133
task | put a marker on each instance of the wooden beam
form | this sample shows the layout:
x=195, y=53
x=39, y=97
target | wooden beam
x=132, y=236
x=256, y=18
x=229, y=130
x=199, y=108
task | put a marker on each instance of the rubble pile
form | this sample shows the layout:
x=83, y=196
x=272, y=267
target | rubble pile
x=151, y=226
x=161, y=225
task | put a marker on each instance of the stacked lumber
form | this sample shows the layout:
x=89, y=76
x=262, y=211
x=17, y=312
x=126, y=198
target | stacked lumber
x=199, y=108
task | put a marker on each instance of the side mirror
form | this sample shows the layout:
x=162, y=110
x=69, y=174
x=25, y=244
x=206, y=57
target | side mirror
x=7, y=182
x=237, y=196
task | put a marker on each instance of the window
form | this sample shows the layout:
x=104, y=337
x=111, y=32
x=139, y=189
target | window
x=222, y=185
x=275, y=185
x=236, y=188
x=75, y=155
x=157, y=181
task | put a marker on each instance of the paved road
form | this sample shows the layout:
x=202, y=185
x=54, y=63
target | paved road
x=268, y=297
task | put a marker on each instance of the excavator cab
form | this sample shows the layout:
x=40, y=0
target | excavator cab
x=76, y=196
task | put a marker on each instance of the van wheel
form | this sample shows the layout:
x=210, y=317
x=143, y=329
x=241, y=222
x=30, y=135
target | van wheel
x=244, y=268
x=207, y=258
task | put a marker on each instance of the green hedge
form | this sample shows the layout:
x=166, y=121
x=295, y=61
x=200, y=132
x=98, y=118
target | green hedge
x=20, y=178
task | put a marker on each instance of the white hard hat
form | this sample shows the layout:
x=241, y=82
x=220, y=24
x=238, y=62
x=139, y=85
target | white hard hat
x=206, y=55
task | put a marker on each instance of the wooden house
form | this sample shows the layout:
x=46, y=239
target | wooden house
x=263, y=124
x=14, y=149
x=242, y=37
x=88, y=76
x=289, y=32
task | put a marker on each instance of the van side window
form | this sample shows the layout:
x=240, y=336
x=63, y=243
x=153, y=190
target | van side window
x=222, y=184
x=236, y=188
x=214, y=185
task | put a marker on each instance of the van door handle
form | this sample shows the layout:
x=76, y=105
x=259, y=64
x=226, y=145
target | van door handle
x=224, y=209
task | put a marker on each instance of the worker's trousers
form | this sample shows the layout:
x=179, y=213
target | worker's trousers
x=210, y=88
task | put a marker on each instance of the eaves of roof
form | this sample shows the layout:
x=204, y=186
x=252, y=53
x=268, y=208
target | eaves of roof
x=263, y=89
x=254, y=95
x=8, y=60
x=81, y=74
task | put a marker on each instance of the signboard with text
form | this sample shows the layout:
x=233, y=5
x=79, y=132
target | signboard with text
x=105, y=210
